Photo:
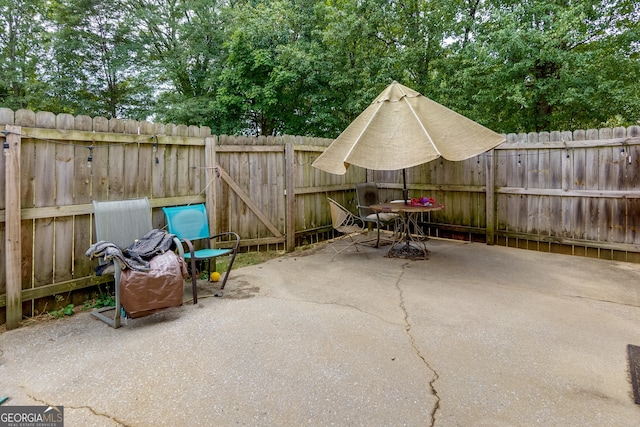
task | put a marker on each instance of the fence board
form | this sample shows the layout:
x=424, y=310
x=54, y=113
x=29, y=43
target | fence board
x=63, y=227
x=3, y=264
x=632, y=167
x=544, y=203
x=82, y=224
x=474, y=176
x=473, y=172
x=116, y=167
x=223, y=192
x=278, y=190
x=633, y=224
x=2, y=172
x=235, y=211
x=289, y=186
x=6, y=116
x=28, y=118
x=11, y=243
x=44, y=196
x=130, y=172
x=196, y=165
x=592, y=165
x=27, y=196
x=182, y=171
x=501, y=182
x=579, y=207
x=513, y=180
x=158, y=171
x=567, y=183
x=145, y=170
x=249, y=179
x=171, y=169
x=261, y=189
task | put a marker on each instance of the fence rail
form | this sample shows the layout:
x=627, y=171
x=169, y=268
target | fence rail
x=571, y=192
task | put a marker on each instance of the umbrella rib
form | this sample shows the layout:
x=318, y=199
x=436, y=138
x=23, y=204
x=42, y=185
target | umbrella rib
x=364, y=128
x=420, y=122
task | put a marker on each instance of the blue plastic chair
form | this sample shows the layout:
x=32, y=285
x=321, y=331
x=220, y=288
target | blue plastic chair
x=190, y=224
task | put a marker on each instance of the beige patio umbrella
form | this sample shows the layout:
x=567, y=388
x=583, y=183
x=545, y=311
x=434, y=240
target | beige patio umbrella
x=400, y=129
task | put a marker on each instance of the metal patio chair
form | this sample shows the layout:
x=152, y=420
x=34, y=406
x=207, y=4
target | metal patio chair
x=190, y=223
x=120, y=222
x=348, y=224
x=367, y=194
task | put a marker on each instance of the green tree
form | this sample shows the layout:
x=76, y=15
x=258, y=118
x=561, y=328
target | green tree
x=181, y=44
x=93, y=67
x=368, y=44
x=22, y=46
x=309, y=67
x=260, y=83
x=540, y=65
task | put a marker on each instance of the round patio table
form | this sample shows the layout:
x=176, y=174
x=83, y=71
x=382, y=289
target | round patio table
x=406, y=244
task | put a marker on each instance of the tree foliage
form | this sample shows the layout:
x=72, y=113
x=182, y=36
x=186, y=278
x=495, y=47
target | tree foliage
x=22, y=37
x=537, y=65
x=308, y=67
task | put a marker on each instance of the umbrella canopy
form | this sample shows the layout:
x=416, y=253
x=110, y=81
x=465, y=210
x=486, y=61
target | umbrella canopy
x=400, y=129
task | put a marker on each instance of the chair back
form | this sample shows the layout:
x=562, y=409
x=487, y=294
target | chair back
x=338, y=214
x=122, y=221
x=367, y=194
x=188, y=222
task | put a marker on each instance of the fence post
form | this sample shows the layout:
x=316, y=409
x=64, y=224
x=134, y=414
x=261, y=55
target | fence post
x=211, y=201
x=490, y=169
x=290, y=196
x=12, y=242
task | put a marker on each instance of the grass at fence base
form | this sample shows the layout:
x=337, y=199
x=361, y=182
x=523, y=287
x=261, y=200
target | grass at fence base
x=246, y=259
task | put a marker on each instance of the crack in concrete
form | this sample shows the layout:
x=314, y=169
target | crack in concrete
x=601, y=300
x=407, y=328
x=334, y=303
x=93, y=411
x=556, y=294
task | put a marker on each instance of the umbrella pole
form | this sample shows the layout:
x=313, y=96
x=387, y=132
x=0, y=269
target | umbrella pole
x=405, y=190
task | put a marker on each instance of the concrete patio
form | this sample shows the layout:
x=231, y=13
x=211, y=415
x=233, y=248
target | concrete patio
x=475, y=336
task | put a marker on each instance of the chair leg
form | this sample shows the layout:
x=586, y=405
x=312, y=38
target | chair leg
x=98, y=313
x=118, y=313
x=352, y=242
x=194, y=281
x=194, y=278
x=226, y=275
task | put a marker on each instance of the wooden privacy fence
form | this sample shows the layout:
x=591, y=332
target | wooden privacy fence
x=570, y=192
x=56, y=165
